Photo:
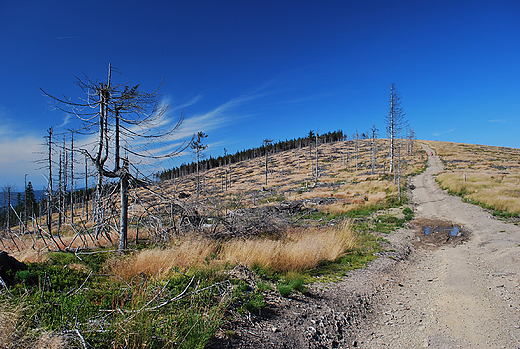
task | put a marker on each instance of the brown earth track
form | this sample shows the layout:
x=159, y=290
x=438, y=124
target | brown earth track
x=456, y=296
x=458, y=292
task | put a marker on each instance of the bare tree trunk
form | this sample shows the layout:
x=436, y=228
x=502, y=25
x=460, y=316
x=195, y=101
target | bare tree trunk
x=198, y=179
x=374, y=131
x=60, y=192
x=25, y=202
x=373, y=156
x=266, y=165
x=86, y=188
x=8, y=209
x=72, y=179
x=395, y=122
x=123, y=234
x=299, y=150
x=98, y=219
x=399, y=171
x=316, y=157
x=348, y=156
x=65, y=179
x=49, y=189
x=392, y=146
x=356, y=149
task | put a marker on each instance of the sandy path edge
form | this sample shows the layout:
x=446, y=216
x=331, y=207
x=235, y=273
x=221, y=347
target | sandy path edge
x=465, y=296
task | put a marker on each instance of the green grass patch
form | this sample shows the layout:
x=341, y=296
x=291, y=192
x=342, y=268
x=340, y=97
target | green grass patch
x=408, y=214
x=290, y=283
x=334, y=271
x=246, y=299
x=179, y=312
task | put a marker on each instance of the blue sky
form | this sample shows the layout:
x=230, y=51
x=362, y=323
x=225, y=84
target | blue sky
x=248, y=70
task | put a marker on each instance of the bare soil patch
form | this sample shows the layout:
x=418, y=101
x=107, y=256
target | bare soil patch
x=433, y=233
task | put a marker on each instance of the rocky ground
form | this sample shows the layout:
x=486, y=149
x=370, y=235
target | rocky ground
x=456, y=287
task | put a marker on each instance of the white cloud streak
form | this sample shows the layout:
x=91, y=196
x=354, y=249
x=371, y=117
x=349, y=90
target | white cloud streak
x=20, y=152
x=187, y=104
x=66, y=120
x=442, y=133
x=18, y=156
x=504, y=121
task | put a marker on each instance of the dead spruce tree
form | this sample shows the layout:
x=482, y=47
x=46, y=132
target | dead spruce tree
x=198, y=147
x=410, y=139
x=316, y=159
x=266, y=143
x=374, y=135
x=123, y=119
x=49, y=143
x=395, y=121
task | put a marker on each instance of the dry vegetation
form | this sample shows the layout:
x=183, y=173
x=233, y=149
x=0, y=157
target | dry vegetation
x=292, y=175
x=157, y=216
x=486, y=175
x=241, y=223
x=299, y=250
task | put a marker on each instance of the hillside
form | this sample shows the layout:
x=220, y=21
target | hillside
x=483, y=175
x=247, y=253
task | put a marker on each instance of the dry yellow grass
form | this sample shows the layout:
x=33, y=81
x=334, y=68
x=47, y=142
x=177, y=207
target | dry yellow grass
x=298, y=251
x=288, y=172
x=498, y=191
x=14, y=334
x=492, y=173
x=9, y=317
x=160, y=263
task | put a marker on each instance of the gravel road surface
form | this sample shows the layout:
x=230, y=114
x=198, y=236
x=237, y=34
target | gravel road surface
x=455, y=288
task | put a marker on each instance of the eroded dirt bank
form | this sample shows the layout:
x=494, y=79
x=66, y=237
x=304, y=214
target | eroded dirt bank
x=461, y=294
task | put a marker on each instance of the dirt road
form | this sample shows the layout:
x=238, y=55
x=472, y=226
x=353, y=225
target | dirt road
x=463, y=296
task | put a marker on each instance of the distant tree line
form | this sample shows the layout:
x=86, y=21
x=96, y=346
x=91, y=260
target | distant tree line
x=25, y=206
x=13, y=205
x=249, y=154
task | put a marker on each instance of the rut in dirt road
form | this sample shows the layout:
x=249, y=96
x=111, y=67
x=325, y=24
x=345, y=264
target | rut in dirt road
x=457, y=295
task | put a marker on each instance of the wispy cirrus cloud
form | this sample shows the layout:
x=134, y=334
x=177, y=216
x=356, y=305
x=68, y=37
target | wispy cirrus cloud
x=442, y=133
x=66, y=120
x=205, y=122
x=218, y=116
x=503, y=121
x=171, y=142
x=187, y=104
x=18, y=156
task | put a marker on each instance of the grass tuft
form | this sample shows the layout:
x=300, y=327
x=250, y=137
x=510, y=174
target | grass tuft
x=161, y=263
x=298, y=251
